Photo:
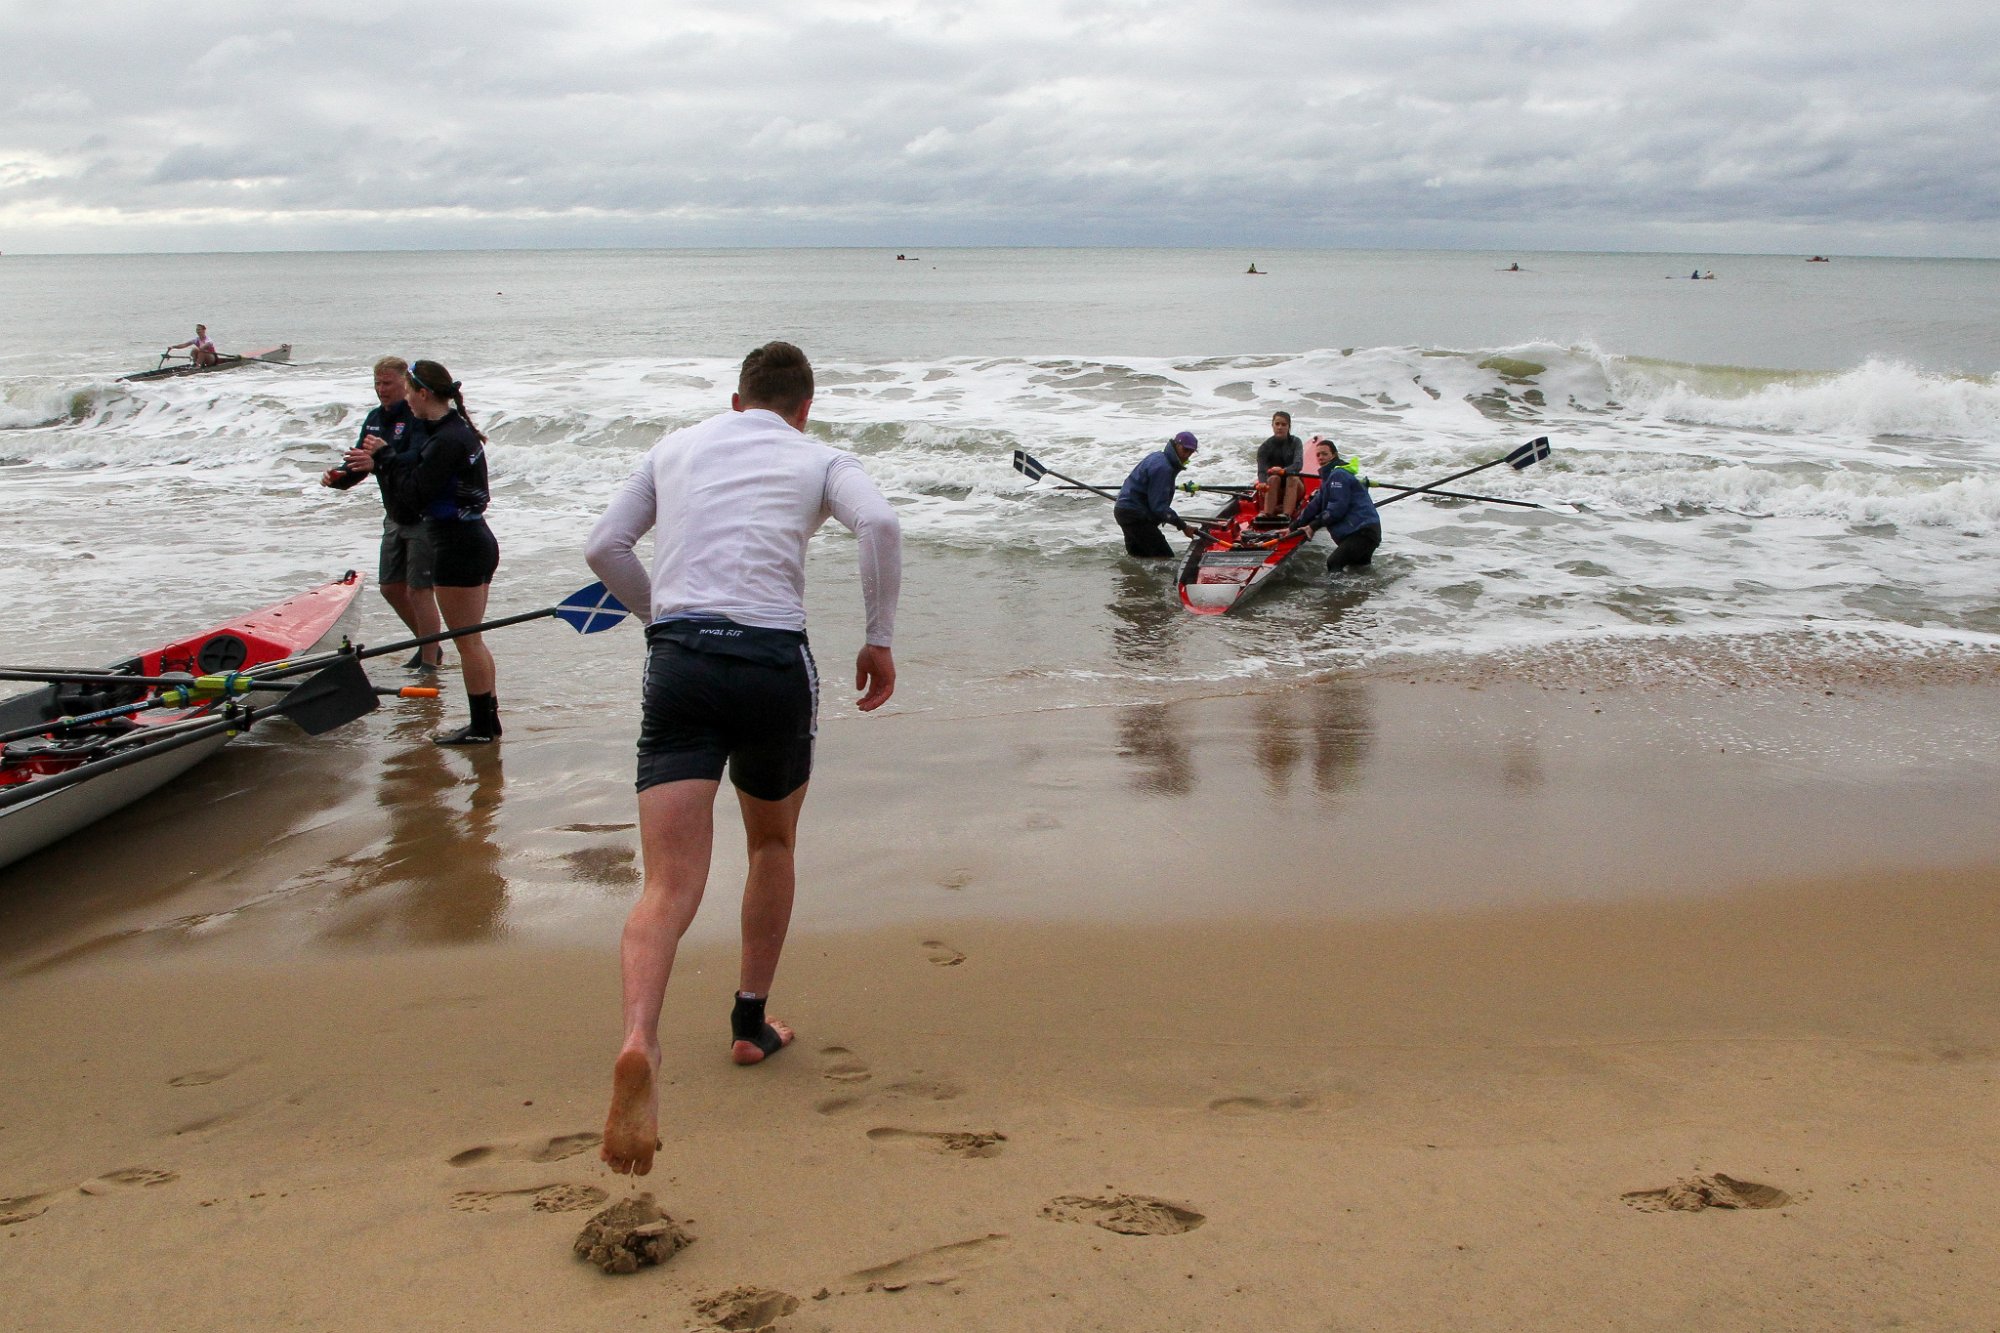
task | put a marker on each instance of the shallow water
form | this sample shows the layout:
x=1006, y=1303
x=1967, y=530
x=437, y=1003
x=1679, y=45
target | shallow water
x=1780, y=477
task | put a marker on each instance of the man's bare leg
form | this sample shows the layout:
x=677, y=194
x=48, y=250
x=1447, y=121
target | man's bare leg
x=676, y=834
x=417, y=608
x=771, y=835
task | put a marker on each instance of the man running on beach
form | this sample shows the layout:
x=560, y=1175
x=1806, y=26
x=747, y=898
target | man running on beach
x=730, y=679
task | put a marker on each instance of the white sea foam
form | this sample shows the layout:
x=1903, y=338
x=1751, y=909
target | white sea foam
x=1688, y=501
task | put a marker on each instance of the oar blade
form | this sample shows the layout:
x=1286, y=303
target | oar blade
x=590, y=610
x=1024, y=463
x=329, y=698
x=1529, y=454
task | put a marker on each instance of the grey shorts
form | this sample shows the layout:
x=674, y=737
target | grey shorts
x=407, y=555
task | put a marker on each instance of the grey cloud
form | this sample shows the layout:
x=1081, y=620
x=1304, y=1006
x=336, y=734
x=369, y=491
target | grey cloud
x=1276, y=121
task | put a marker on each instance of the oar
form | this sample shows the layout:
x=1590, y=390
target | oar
x=1028, y=465
x=589, y=610
x=1197, y=487
x=1455, y=495
x=175, y=695
x=332, y=697
x=1529, y=454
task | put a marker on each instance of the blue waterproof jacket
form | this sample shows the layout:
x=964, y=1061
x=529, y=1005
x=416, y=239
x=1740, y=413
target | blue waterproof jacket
x=1149, y=492
x=1341, y=504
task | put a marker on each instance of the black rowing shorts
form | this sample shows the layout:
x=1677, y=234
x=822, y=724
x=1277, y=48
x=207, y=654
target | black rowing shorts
x=721, y=693
x=464, y=553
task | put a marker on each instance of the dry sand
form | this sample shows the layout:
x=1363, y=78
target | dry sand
x=1057, y=1070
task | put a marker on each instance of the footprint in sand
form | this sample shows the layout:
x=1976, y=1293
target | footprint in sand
x=1695, y=1193
x=445, y=1002
x=933, y=1267
x=1126, y=1214
x=943, y=954
x=25, y=1207
x=131, y=1177
x=1040, y=820
x=956, y=878
x=597, y=828
x=843, y=1066
x=542, y=1198
x=925, y=1090
x=952, y=1143
x=1252, y=1105
x=201, y=1078
x=745, y=1309
x=557, y=1149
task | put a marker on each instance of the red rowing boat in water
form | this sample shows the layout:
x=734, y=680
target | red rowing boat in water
x=95, y=765
x=1234, y=555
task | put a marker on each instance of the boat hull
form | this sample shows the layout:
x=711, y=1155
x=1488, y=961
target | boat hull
x=165, y=739
x=270, y=356
x=1226, y=565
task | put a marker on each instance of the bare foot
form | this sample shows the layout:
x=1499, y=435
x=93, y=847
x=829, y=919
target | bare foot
x=750, y=1052
x=632, y=1129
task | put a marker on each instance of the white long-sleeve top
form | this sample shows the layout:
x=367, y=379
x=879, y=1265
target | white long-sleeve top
x=734, y=500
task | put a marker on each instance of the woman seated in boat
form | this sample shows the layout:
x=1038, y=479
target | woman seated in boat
x=201, y=351
x=1281, y=461
x=1342, y=506
x=446, y=482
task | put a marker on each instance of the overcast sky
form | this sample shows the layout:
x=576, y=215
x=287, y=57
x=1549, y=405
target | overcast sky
x=1703, y=125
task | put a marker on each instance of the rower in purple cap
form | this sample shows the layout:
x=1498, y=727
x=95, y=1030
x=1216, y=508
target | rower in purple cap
x=1145, y=501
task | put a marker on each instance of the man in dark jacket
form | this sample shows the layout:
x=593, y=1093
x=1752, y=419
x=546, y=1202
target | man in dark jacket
x=1342, y=506
x=406, y=570
x=1145, y=501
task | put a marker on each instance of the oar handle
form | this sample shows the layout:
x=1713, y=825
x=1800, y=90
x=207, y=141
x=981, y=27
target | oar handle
x=55, y=782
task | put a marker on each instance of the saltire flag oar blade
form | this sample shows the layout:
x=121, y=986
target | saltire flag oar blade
x=1031, y=467
x=590, y=610
x=1527, y=455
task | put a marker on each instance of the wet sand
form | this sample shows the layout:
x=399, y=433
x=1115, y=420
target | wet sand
x=1395, y=1005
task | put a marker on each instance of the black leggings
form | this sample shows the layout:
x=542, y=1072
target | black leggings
x=1356, y=549
x=1143, y=536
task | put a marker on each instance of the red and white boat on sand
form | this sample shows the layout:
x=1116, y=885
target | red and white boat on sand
x=81, y=747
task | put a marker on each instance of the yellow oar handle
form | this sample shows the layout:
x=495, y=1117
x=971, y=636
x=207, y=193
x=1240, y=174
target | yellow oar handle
x=214, y=686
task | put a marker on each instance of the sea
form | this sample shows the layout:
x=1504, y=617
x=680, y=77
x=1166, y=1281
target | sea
x=1780, y=467
x=1780, y=476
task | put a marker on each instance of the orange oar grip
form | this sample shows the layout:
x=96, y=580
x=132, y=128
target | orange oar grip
x=417, y=692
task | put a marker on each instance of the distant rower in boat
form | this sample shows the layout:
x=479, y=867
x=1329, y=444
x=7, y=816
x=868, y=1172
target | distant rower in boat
x=1281, y=462
x=405, y=566
x=1342, y=506
x=445, y=480
x=730, y=685
x=201, y=351
x=1146, y=500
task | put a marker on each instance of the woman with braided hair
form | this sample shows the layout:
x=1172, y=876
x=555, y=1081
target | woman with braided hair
x=445, y=481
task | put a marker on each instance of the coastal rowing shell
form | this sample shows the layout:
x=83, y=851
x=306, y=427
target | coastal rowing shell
x=270, y=356
x=273, y=633
x=1221, y=572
